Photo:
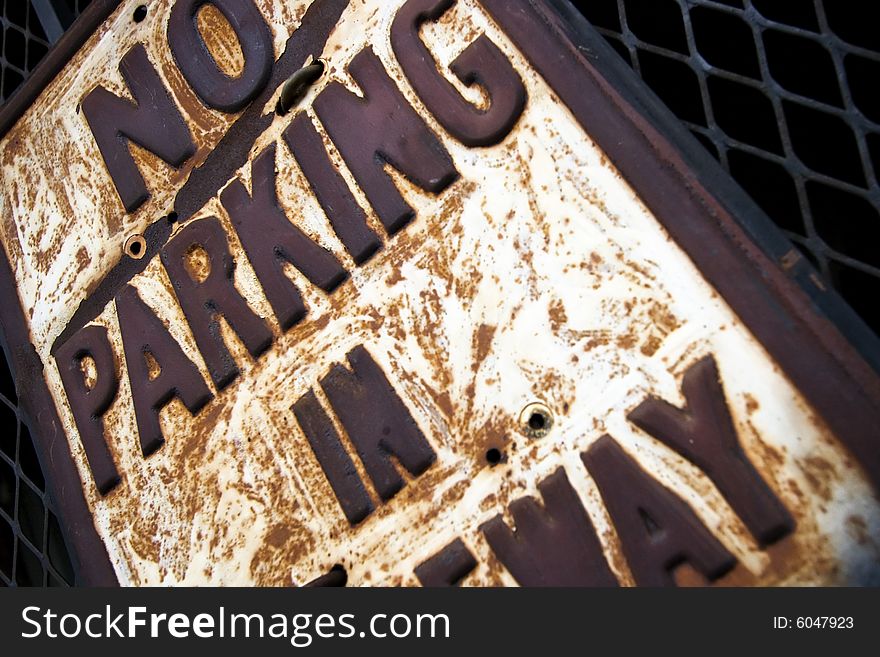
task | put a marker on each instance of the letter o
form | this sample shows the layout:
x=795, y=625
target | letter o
x=216, y=89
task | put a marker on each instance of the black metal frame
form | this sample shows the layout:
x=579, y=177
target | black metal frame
x=35, y=548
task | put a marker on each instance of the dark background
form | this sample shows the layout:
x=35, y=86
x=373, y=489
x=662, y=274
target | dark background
x=784, y=93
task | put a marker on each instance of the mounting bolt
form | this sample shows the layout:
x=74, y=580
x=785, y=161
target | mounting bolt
x=536, y=420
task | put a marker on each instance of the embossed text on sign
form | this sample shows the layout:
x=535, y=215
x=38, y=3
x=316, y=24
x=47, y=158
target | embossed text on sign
x=329, y=360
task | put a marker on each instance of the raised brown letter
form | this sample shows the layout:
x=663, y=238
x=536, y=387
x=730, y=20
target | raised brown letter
x=205, y=295
x=657, y=530
x=216, y=89
x=269, y=238
x=448, y=567
x=347, y=217
x=704, y=434
x=481, y=63
x=335, y=461
x=143, y=333
x=377, y=422
x=382, y=128
x=89, y=402
x=152, y=121
x=553, y=546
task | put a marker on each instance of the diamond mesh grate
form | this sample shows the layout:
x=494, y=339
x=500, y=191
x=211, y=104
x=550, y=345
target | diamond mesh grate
x=32, y=551
x=23, y=41
x=783, y=95
x=22, y=45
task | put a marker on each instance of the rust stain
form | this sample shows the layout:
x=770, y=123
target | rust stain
x=663, y=319
x=220, y=39
x=686, y=576
x=82, y=258
x=483, y=343
x=820, y=475
x=558, y=317
x=650, y=346
x=790, y=259
x=442, y=400
x=752, y=404
x=90, y=372
x=395, y=277
x=153, y=368
x=859, y=528
x=278, y=536
x=236, y=493
x=198, y=264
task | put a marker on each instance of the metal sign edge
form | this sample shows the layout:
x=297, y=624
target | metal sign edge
x=839, y=382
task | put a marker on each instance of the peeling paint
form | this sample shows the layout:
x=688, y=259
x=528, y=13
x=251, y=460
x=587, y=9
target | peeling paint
x=538, y=276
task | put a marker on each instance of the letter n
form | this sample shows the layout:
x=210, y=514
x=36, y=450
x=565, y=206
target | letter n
x=382, y=128
x=377, y=422
x=152, y=121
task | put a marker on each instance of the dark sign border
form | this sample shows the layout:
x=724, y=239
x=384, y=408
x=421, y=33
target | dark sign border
x=817, y=340
x=89, y=558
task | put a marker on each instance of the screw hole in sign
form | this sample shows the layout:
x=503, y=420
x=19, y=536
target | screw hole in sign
x=135, y=247
x=536, y=420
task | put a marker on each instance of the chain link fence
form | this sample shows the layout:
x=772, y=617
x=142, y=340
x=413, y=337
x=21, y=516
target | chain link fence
x=23, y=44
x=781, y=93
x=32, y=551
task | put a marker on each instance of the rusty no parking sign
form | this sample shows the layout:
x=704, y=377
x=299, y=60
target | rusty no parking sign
x=452, y=311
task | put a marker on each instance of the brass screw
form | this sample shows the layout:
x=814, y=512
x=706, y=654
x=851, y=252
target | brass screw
x=536, y=420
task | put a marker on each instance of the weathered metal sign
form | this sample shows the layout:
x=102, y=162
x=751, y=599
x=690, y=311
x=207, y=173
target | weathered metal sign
x=459, y=315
